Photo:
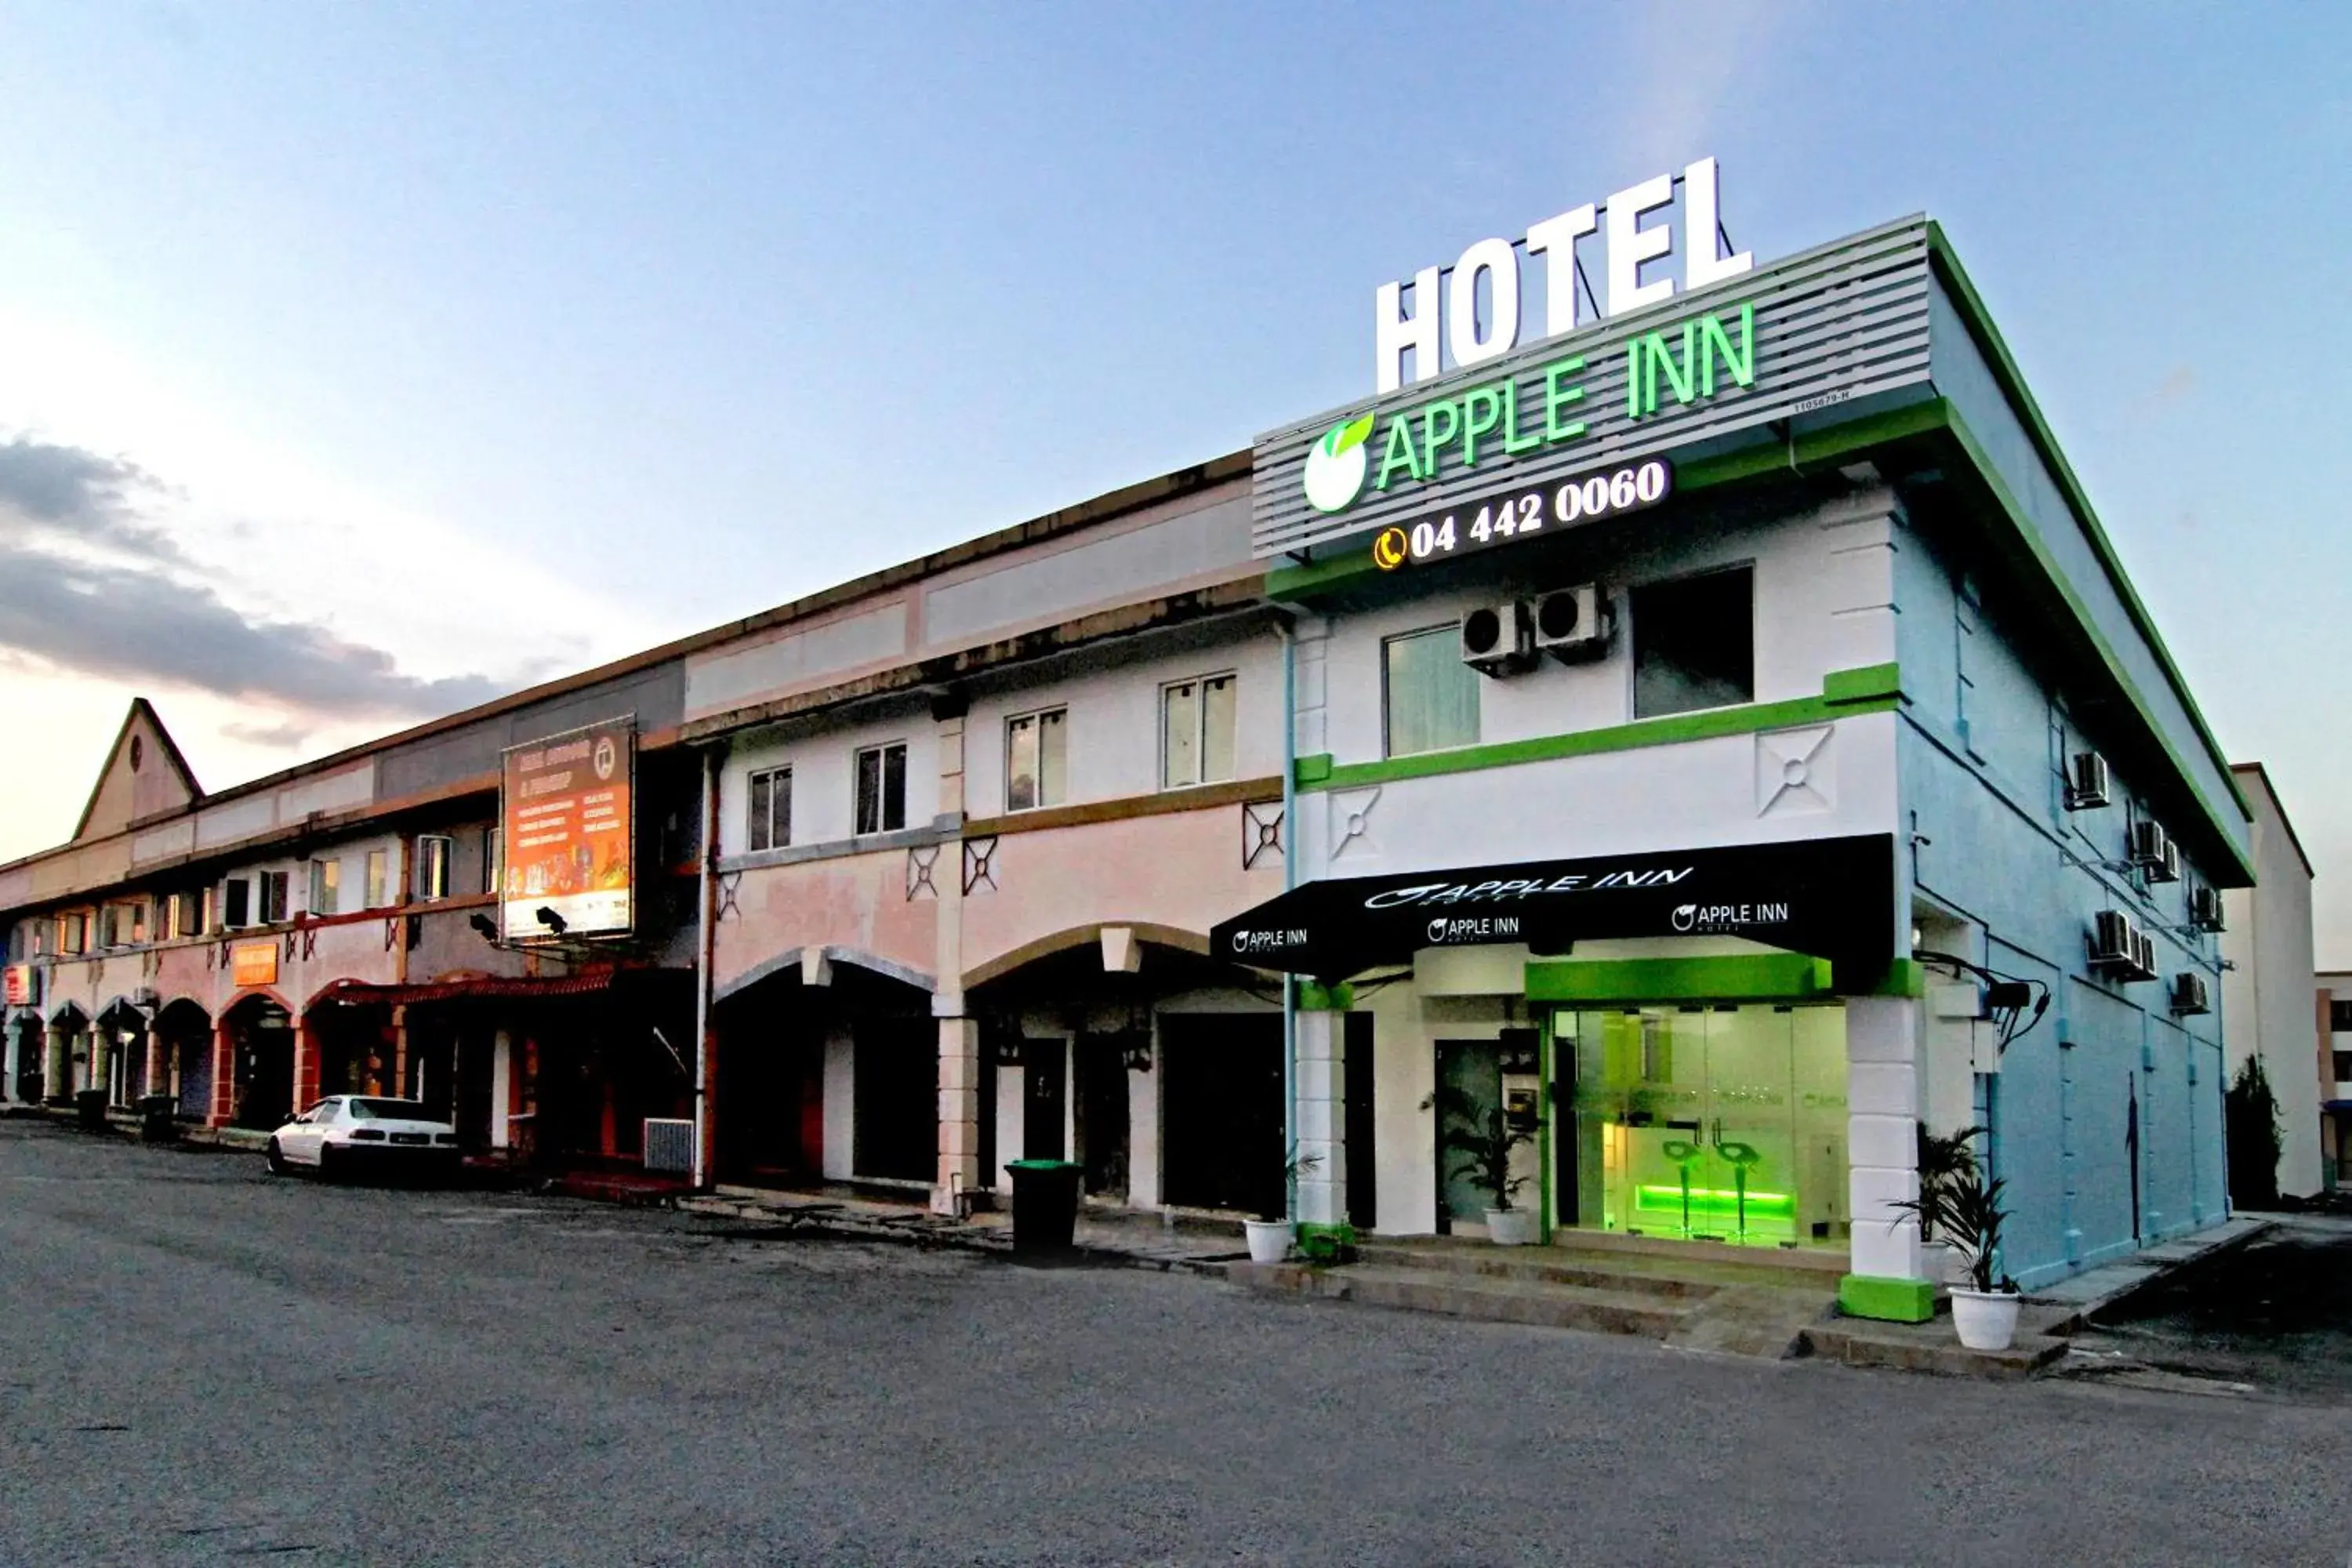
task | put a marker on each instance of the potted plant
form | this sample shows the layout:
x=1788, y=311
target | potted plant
x=1484, y=1140
x=1943, y=1161
x=1984, y=1311
x=1269, y=1234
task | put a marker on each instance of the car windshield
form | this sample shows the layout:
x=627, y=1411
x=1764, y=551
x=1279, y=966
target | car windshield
x=390, y=1110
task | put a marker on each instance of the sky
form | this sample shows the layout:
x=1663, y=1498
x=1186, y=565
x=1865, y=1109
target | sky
x=359, y=363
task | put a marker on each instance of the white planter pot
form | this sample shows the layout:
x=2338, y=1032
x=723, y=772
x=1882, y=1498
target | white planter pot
x=1511, y=1228
x=1269, y=1239
x=1986, y=1320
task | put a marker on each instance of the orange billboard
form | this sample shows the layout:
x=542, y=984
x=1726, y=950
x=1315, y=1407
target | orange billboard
x=254, y=963
x=17, y=987
x=563, y=808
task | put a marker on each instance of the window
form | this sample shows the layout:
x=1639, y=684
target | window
x=214, y=905
x=1695, y=643
x=494, y=857
x=183, y=916
x=772, y=808
x=2339, y=1018
x=376, y=866
x=1037, y=759
x=73, y=933
x=326, y=886
x=274, y=888
x=1430, y=698
x=113, y=926
x=882, y=788
x=237, y=902
x=1196, y=731
x=433, y=853
x=2344, y=1067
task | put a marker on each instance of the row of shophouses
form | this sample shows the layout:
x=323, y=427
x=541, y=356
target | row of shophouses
x=1721, y=837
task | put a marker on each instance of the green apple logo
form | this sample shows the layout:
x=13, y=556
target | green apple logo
x=1335, y=464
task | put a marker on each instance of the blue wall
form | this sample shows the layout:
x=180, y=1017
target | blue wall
x=1981, y=761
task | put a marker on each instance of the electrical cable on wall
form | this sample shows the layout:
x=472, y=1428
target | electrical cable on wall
x=2014, y=1004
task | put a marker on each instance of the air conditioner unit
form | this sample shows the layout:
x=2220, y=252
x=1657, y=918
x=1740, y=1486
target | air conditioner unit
x=2191, y=994
x=1575, y=624
x=2167, y=866
x=2086, y=781
x=2144, y=957
x=2114, y=940
x=2148, y=844
x=1497, y=639
x=2205, y=908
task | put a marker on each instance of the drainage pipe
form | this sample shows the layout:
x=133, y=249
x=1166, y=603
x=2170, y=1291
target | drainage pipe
x=1289, y=879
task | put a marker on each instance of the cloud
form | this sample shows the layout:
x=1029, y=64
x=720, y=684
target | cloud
x=136, y=611
x=70, y=492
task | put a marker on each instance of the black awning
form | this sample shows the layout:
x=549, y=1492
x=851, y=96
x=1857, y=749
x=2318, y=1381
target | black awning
x=1831, y=897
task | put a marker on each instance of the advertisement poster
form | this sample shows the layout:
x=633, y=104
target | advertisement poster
x=563, y=804
x=19, y=988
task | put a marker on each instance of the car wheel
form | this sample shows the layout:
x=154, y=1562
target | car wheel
x=276, y=1158
x=328, y=1163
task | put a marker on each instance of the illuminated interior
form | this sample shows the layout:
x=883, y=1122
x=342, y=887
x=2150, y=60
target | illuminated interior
x=1708, y=1121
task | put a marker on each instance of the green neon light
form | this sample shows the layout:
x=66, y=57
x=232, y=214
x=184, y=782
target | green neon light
x=1714, y=1201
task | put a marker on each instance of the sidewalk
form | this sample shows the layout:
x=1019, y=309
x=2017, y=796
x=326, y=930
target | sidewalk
x=1131, y=1239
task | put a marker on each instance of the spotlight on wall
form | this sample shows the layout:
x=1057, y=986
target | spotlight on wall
x=551, y=920
x=483, y=923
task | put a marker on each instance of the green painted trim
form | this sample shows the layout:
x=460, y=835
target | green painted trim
x=1711, y=724
x=1302, y=583
x=1888, y=1301
x=1869, y=683
x=1729, y=977
x=1903, y=977
x=2012, y=380
x=1814, y=446
x=2031, y=536
x=1312, y=770
x=1326, y=1243
x=1314, y=998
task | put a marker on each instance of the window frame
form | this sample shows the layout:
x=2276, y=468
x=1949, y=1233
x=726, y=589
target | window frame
x=1035, y=718
x=237, y=912
x=434, y=866
x=881, y=751
x=1633, y=596
x=326, y=885
x=375, y=879
x=759, y=834
x=1232, y=678
x=1452, y=629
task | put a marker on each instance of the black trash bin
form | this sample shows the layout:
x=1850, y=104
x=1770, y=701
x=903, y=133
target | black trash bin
x=90, y=1110
x=1044, y=1205
x=155, y=1121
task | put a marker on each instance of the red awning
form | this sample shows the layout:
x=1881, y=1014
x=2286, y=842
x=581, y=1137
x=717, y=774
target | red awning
x=473, y=987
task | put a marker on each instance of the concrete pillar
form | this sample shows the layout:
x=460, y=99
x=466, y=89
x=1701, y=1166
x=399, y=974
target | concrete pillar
x=959, y=1112
x=224, y=1109
x=1323, y=1116
x=501, y=1088
x=305, y=1086
x=158, y=1070
x=1882, y=1160
x=1143, y=1134
x=840, y=1104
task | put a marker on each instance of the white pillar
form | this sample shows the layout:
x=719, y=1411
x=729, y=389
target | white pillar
x=501, y=1088
x=959, y=1112
x=1323, y=1117
x=11, y=1036
x=1143, y=1134
x=840, y=1104
x=1882, y=1133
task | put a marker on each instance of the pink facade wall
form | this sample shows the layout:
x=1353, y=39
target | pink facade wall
x=856, y=902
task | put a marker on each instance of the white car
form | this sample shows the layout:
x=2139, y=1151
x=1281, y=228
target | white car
x=346, y=1131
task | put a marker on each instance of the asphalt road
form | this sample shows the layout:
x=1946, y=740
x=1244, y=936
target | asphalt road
x=199, y=1363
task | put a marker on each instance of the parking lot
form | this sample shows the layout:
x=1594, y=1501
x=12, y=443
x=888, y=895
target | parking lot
x=201, y=1362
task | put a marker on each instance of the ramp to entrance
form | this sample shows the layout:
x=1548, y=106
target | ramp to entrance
x=1731, y=1300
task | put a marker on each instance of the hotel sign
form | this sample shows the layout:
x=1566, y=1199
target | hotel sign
x=1750, y=358
x=20, y=985
x=254, y=963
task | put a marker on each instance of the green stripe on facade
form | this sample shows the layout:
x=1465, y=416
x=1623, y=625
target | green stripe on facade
x=1875, y=690
x=1888, y=1301
x=1730, y=977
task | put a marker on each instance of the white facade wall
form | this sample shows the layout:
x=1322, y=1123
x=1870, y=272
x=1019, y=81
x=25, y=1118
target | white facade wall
x=2266, y=998
x=825, y=778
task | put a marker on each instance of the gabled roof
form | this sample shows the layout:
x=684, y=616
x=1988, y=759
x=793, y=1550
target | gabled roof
x=125, y=791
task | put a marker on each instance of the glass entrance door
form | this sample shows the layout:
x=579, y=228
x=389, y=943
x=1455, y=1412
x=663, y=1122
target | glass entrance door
x=1721, y=1122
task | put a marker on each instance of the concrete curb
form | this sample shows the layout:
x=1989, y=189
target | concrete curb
x=819, y=1218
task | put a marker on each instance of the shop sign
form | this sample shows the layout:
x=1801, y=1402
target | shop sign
x=1473, y=335
x=254, y=963
x=1829, y=898
x=567, y=840
x=20, y=985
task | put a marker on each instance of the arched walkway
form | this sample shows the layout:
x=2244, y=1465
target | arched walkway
x=827, y=1070
x=187, y=1032
x=66, y=1054
x=119, y=1052
x=259, y=1032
